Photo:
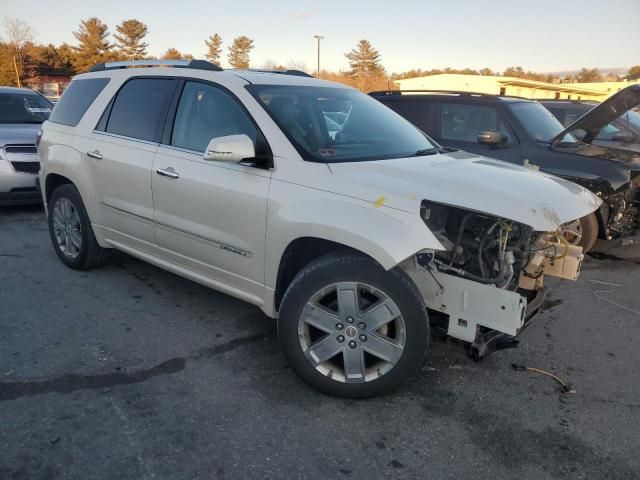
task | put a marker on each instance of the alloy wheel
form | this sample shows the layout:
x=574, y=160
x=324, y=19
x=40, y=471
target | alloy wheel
x=352, y=332
x=572, y=232
x=67, y=228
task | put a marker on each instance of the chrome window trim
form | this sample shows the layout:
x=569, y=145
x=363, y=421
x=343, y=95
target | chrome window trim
x=124, y=137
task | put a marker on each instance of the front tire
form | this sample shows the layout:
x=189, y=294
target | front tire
x=582, y=232
x=70, y=230
x=351, y=329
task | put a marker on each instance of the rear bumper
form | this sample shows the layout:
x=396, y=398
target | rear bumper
x=19, y=196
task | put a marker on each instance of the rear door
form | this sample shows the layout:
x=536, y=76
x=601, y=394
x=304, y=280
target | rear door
x=120, y=153
x=210, y=216
x=458, y=125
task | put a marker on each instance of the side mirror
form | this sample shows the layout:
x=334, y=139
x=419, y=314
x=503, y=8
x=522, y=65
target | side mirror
x=232, y=148
x=491, y=137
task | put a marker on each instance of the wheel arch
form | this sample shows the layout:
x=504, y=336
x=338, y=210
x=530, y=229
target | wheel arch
x=299, y=253
x=53, y=181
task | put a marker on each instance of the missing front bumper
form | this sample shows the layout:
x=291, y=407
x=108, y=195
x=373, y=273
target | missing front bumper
x=470, y=305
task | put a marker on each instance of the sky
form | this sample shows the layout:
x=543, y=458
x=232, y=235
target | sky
x=539, y=35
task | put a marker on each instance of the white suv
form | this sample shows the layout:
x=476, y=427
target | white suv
x=311, y=200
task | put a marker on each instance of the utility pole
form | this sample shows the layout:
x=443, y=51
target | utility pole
x=15, y=65
x=318, y=37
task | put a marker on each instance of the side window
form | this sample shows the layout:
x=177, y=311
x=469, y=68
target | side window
x=462, y=123
x=76, y=100
x=139, y=108
x=415, y=111
x=205, y=112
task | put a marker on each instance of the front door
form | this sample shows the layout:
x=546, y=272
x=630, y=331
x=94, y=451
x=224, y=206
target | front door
x=460, y=123
x=210, y=216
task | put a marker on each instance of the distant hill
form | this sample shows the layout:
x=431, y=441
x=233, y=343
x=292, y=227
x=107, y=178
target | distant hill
x=602, y=70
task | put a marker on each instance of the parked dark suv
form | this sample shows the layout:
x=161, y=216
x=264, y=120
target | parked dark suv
x=522, y=131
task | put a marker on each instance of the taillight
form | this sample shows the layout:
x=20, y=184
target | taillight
x=38, y=138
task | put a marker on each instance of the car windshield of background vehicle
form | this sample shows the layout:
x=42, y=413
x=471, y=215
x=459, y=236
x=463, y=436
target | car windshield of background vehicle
x=24, y=108
x=330, y=125
x=632, y=118
x=539, y=122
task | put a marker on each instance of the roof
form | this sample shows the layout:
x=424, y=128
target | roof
x=17, y=90
x=273, y=78
x=204, y=69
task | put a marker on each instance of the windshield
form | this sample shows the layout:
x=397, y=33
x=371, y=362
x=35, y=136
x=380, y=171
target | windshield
x=329, y=125
x=24, y=108
x=631, y=117
x=539, y=122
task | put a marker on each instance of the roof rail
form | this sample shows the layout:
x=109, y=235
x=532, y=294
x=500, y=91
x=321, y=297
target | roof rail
x=195, y=64
x=454, y=92
x=461, y=93
x=295, y=73
x=569, y=100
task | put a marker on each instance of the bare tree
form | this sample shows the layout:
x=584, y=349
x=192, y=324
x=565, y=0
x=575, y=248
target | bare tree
x=20, y=34
x=293, y=64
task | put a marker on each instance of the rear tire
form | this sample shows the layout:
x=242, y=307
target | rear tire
x=71, y=232
x=364, y=345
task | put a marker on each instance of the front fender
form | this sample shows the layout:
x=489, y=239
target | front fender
x=386, y=234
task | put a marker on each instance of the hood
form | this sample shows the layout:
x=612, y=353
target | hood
x=18, y=133
x=605, y=113
x=461, y=179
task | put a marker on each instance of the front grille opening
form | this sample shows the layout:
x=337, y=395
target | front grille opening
x=21, y=149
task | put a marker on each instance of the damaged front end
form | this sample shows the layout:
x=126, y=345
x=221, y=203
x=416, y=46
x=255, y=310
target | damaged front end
x=489, y=281
x=622, y=210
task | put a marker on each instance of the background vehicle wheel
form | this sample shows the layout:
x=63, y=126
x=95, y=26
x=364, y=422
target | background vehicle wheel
x=582, y=232
x=351, y=329
x=71, y=232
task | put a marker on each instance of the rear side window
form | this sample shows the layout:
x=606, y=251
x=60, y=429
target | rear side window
x=76, y=100
x=417, y=112
x=139, y=108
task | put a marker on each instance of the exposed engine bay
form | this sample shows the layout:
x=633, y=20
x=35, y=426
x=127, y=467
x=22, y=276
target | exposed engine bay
x=623, y=211
x=495, y=251
x=492, y=272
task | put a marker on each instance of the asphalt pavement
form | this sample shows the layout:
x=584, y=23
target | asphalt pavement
x=130, y=372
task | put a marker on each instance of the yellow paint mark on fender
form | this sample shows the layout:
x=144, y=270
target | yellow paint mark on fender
x=379, y=202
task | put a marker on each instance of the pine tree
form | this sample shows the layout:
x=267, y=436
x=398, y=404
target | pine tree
x=129, y=39
x=214, y=48
x=239, y=52
x=364, y=61
x=94, y=46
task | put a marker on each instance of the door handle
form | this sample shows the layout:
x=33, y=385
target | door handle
x=95, y=154
x=167, y=172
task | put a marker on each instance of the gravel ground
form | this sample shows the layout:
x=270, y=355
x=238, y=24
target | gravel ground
x=132, y=372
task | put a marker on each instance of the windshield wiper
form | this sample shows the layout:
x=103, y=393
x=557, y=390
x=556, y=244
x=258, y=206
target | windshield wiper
x=426, y=151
